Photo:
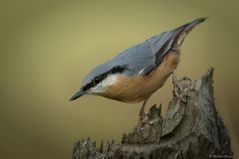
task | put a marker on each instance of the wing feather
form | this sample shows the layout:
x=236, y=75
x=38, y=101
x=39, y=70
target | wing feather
x=143, y=58
x=140, y=59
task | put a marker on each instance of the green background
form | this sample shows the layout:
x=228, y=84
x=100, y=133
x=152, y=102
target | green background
x=47, y=47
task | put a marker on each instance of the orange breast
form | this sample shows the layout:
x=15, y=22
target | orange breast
x=138, y=88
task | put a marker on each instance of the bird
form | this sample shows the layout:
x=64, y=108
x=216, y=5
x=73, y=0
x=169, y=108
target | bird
x=137, y=72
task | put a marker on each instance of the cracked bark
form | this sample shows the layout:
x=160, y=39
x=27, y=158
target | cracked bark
x=191, y=129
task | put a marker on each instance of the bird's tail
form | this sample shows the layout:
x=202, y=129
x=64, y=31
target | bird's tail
x=191, y=25
x=182, y=31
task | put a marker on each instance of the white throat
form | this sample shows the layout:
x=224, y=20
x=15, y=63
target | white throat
x=108, y=81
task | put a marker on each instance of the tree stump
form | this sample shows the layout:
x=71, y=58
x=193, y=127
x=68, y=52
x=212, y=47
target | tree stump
x=191, y=129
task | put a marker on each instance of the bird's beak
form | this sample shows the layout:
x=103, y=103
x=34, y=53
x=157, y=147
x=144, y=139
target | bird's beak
x=78, y=95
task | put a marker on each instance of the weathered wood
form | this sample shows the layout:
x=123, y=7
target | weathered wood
x=191, y=129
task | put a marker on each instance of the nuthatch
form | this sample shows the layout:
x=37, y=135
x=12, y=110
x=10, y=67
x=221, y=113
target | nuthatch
x=136, y=73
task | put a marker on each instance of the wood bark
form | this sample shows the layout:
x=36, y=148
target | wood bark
x=191, y=129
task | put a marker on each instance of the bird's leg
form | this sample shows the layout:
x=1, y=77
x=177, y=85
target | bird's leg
x=174, y=77
x=176, y=86
x=142, y=114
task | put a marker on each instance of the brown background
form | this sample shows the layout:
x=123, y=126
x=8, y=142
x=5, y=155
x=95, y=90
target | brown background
x=47, y=47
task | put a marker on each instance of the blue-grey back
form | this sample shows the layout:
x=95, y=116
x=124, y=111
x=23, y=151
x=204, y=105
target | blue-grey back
x=136, y=58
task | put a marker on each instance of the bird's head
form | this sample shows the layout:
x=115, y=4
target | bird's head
x=97, y=81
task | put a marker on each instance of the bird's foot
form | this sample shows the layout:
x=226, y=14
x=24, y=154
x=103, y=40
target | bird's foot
x=142, y=120
x=143, y=116
x=178, y=85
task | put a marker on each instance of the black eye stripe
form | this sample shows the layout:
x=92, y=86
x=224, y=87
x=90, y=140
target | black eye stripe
x=98, y=79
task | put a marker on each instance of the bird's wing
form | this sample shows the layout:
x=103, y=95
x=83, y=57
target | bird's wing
x=140, y=59
x=143, y=58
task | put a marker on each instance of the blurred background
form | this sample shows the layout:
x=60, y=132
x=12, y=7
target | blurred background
x=48, y=46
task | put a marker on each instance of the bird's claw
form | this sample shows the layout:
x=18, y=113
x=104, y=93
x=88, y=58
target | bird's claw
x=143, y=116
x=180, y=90
x=176, y=86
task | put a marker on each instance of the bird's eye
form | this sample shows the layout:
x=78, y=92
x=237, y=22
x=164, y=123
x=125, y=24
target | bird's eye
x=96, y=81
